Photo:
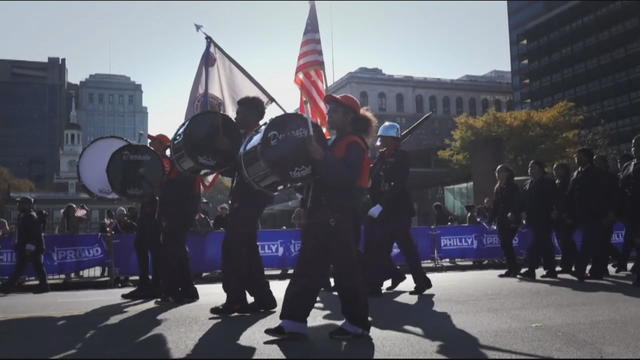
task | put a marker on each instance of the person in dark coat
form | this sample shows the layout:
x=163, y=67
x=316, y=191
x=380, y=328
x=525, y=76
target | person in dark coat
x=29, y=247
x=563, y=228
x=630, y=186
x=505, y=212
x=590, y=210
x=242, y=267
x=614, y=196
x=389, y=220
x=628, y=244
x=539, y=197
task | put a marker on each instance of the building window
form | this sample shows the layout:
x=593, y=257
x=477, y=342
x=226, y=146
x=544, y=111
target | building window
x=399, y=103
x=90, y=98
x=73, y=139
x=459, y=106
x=497, y=103
x=110, y=99
x=419, y=104
x=120, y=99
x=130, y=99
x=485, y=106
x=446, y=106
x=433, y=104
x=100, y=99
x=66, y=139
x=472, y=107
x=364, y=98
x=382, y=102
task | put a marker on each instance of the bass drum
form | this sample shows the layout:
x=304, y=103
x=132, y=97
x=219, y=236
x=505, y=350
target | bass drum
x=135, y=172
x=92, y=165
x=206, y=143
x=275, y=157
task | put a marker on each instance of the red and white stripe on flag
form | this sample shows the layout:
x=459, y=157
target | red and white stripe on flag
x=310, y=71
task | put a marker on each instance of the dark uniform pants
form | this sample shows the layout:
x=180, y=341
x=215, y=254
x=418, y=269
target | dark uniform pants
x=629, y=244
x=242, y=268
x=506, y=233
x=147, y=243
x=541, y=248
x=379, y=240
x=176, y=270
x=327, y=238
x=592, y=235
x=564, y=234
x=22, y=258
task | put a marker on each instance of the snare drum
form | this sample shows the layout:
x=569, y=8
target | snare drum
x=275, y=157
x=135, y=172
x=92, y=165
x=208, y=142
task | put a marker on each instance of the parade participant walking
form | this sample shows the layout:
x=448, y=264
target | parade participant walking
x=628, y=243
x=607, y=249
x=505, y=212
x=589, y=210
x=242, y=268
x=389, y=220
x=342, y=176
x=539, y=194
x=563, y=229
x=29, y=247
x=630, y=186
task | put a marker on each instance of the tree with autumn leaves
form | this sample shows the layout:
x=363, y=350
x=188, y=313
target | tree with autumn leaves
x=549, y=135
x=8, y=183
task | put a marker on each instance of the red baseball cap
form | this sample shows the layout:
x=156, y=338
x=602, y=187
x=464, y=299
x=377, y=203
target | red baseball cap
x=164, y=139
x=344, y=99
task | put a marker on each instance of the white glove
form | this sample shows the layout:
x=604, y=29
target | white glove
x=375, y=211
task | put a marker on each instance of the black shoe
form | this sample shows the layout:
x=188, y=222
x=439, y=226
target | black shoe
x=259, y=306
x=5, y=289
x=594, y=277
x=580, y=277
x=636, y=282
x=344, y=334
x=621, y=268
x=395, y=282
x=165, y=300
x=551, y=274
x=419, y=289
x=377, y=292
x=42, y=289
x=634, y=268
x=189, y=295
x=507, y=274
x=229, y=309
x=281, y=333
x=565, y=271
x=135, y=294
x=528, y=274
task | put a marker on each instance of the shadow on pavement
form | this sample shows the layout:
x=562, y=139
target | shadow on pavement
x=620, y=284
x=86, y=335
x=389, y=314
x=221, y=340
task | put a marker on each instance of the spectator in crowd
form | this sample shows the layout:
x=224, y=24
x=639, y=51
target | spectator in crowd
x=222, y=218
x=628, y=245
x=483, y=211
x=123, y=224
x=472, y=217
x=29, y=247
x=539, y=196
x=505, y=212
x=4, y=227
x=442, y=215
x=590, y=210
x=630, y=185
x=563, y=228
x=72, y=218
x=106, y=227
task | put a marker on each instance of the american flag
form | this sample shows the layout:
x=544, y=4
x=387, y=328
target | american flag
x=310, y=71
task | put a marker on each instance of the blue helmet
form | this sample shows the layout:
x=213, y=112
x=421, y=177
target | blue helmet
x=389, y=129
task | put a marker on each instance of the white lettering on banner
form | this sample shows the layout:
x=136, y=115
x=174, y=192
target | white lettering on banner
x=78, y=253
x=279, y=248
x=7, y=257
x=617, y=237
x=459, y=242
x=491, y=241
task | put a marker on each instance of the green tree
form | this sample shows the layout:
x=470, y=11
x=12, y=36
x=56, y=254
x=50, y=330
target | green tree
x=10, y=183
x=547, y=135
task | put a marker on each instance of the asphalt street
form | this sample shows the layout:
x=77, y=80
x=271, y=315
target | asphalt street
x=466, y=314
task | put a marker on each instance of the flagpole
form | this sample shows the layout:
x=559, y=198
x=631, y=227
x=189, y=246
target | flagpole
x=243, y=71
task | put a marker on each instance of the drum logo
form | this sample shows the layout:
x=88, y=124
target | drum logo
x=134, y=191
x=106, y=191
x=299, y=133
x=215, y=103
x=135, y=157
x=300, y=171
x=274, y=137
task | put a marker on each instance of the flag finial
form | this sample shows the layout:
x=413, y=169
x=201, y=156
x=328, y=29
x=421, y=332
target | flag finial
x=198, y=27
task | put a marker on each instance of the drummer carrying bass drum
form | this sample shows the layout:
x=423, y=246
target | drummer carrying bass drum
x=242, y=268
x=341, y=178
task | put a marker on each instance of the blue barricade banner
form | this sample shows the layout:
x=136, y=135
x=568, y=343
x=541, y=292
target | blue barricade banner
x=64, y=254
x=278, y=248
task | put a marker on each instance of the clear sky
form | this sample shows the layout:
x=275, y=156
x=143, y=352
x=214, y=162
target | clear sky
x=155, y=43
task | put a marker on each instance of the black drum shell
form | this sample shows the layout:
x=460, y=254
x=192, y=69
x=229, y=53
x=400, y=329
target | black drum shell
x=208, y=142
x=135, y=172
